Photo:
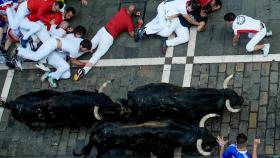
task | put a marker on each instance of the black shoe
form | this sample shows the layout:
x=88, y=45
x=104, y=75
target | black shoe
x=164, y=47
x=10, y=64
x=17, y=61
x=141, y=34
x=30, y=42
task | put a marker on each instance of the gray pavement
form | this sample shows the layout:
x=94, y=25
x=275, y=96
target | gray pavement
x=257, y=82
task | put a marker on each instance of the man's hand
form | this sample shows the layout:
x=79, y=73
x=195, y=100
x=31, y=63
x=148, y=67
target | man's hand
x=221, y=141
x=52, y=22
x=137, y=13
x=70, y=29
x=140, y=22
x=84, y=2
x=257, y=142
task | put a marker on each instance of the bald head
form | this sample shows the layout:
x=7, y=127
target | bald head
x=64, y=25
x=131, y=9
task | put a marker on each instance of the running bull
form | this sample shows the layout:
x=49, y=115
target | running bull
x=158, y=137
x=163, y=100
x=53, y=107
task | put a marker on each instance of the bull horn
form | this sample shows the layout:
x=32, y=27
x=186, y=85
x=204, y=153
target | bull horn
x=225, y=85
x=200, y=149
x=206, y=117
x=200, y=141
x=96, y=113
x=230, y=108
x=100, y=90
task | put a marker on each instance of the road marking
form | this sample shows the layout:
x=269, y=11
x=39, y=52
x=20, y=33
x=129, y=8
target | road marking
x=6, y=89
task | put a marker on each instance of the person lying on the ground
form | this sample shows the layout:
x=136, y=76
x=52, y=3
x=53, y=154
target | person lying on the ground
x=105, y=37
x=255, y=29
x=239, y=149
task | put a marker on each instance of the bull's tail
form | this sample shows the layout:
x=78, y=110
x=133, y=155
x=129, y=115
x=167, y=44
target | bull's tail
x=101, y=89
x=200, y=141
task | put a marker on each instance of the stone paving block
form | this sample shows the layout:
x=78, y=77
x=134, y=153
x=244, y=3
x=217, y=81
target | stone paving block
x=234, y=121
x=226, y=116
x=221, y=78
x=262, y=114
x=248, y=69
x=277, y=146
x=274, y=77
x=196, y=70
x=269, y=138
x=232, y=135
x=251, y=136
x=213, y=69
x=195, y=82
x=263, y=98
x=238, y=79
x=256, y=66
x=243, y=127
x=274, y=66
x=252, y=120
x=230, y=68
x=265, y=69
x=203, y=79
x=204, y=69
x=271, y=107
x=261, y=130
x=254, y=106
x=239, y=67
x=244, y=114
x=277, y=119
x=269, y=150
x=271, y=120
x=225, y=129
x=212, y=82
x=264, y=83
x=222, y=67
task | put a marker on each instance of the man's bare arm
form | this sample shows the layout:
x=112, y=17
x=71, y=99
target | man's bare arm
x=235, y=39
x=77, y=62
x=255, y=148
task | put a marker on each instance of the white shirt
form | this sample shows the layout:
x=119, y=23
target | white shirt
x=176, y=7
x=57, y=33
x=246, y=24
x=72, y=46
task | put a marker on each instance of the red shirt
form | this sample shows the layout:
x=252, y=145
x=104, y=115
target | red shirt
x=56, y=16
x=38, y=9
x=203, y=3
x=120, y=22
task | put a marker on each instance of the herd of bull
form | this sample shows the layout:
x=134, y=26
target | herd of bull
x=155, y=118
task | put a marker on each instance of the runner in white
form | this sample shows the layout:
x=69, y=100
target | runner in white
x=255, y=28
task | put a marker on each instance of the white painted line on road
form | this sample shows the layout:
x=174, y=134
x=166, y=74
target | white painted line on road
x=6, y=89
x=192, y=42
x=166, y=73
x=188, y=75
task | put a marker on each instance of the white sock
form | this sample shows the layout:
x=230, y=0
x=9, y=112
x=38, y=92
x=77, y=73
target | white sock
x=86, y=69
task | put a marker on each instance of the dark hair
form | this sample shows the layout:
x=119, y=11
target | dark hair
x=229, y=17
x=59, y=4
x=195, y=5
x=219, y=2
x=86, y=44
x=71, y=9
x=241, y=140
x=80, y=29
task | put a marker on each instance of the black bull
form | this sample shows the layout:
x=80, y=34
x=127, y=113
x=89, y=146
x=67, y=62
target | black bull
x=48, y=106
x=162, y=100
x=158, y=137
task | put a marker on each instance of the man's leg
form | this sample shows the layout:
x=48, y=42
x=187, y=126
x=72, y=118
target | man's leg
x=166, y=32
x=15, y=19
x=31, y=27
x=57, y=60
x=253, y=43
x=42, y=52
x=104, y=45
x=182, y=36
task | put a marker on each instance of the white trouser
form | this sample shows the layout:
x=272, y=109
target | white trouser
x=255, y=39
x=103, y=40
x=43, y=34
x=58, y=61
x=168, y=30
x=47, y=48
x=182, y=35
x=30, y=26
x=15, y=19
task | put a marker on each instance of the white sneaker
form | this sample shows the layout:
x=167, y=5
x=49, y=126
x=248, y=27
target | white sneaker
x=43, y=67
x=266, y=49
x=269, y=33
